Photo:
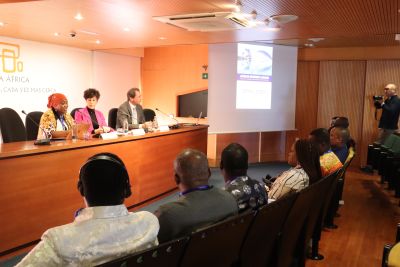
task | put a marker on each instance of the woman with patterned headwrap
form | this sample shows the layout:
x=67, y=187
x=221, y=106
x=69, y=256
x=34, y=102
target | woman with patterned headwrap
x=56, y=121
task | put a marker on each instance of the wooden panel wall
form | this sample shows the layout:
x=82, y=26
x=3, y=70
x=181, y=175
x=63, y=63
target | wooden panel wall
x=272, y=146
x=378, y=74
x=170, y=71
x=306, y=97
x=250, y=141
x=341, y=93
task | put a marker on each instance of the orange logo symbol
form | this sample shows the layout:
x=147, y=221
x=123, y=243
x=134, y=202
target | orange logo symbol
x=9, y=58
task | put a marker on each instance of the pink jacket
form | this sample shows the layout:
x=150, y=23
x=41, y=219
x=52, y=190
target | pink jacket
x=82, y=116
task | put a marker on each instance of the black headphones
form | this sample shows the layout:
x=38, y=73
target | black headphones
x=98, y=159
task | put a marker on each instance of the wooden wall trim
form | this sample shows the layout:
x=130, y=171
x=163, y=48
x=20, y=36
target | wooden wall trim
x=349, y=53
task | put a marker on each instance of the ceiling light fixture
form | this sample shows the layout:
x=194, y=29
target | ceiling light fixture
x=309, y=45
x=283, y=19
x=2, y=24
x=238, y=6
x=127, y=29
x=162, y=38
x=272, y=26
x=78, y=16
x=315, y=40
x=56, y=34
x=98, y=42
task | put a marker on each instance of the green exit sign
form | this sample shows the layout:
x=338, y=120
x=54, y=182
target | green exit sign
x=204, y=76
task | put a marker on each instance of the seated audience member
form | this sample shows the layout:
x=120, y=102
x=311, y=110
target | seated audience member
x=56, y=120
x=304, y=157
x=199, y=205
x=90, y=115
x=249, y=193
x=102, y=231
x=339, y=137
x=328, y=160
x=343, y=122
x=131, y=111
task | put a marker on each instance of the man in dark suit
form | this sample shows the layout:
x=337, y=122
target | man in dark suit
x=131, y=111
x=390, y=112
x=199, y=204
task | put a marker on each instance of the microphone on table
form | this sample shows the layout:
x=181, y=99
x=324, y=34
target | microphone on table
x=45, y=141
x=175, y=126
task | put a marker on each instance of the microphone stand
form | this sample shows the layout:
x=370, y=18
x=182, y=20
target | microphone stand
x=39, y=142
x=175, y=126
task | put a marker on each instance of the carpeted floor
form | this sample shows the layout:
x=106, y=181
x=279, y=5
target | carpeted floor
x=256, y=171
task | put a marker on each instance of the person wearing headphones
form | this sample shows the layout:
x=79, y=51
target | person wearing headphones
x=102, y=231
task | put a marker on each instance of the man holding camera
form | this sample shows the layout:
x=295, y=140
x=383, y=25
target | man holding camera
x=390, y=112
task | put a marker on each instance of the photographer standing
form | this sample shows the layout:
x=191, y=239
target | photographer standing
x=390, y=112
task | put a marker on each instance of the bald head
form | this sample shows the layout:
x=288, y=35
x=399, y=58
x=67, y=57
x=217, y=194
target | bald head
x=390, y=89
x=191, y=168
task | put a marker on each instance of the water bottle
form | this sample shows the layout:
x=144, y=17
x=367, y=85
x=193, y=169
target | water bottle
x=125, y=126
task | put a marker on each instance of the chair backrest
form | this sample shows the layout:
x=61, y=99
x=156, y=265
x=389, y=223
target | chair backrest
x=294, y=226
x=74, y=111
x=259, y=246
x=11, y=126
x=32, y=121
x=390, y=140
x=149, y=114
x=219, y=244
x=112, y=118
x=167, y=254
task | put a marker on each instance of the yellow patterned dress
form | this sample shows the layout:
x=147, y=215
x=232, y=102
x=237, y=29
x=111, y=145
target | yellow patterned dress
x=329, y=163
x=48, y=122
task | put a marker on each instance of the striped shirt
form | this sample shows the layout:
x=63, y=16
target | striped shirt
x=292, y=180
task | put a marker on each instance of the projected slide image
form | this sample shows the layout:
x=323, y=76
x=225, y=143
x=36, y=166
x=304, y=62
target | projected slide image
x=254, y=59
x=254, y=76
x=255, y=96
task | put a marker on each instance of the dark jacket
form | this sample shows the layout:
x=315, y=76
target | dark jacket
x=390, y=113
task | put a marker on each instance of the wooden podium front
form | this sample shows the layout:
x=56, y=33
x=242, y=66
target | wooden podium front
x=38, y=184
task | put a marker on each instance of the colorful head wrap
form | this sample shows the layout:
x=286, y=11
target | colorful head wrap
x=55, y=100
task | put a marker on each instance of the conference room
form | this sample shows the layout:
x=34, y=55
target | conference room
x=212, y=72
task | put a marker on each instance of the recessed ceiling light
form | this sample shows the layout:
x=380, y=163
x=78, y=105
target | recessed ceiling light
x=56, y=34
x=98, y=42
x=162, y=38
x=2, y=24
x=78, y=16
x=309, y=45
x=126, y=29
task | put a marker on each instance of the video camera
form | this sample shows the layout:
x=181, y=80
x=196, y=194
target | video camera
x=377, y=97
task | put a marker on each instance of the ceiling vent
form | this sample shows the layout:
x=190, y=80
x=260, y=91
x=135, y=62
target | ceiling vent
x=207, y=22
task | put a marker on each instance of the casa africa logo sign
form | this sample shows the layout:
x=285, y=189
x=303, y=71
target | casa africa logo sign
x=13, y=80
x=10, y=54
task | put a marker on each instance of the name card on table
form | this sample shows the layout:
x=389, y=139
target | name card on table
x=109, y=136
x=164, y=128
x=136, y=132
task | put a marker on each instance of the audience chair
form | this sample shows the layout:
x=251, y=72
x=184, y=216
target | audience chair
x=112, y=118
x=316, y=237
x=294, y=227
x=217, y=245
x=149, y=114
x=260, y=244
x=11, y=126
x=32, y=121
x=167, y=254
x=313, y=220
x=338, y=192
x=391, y=253
x=74, y=111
